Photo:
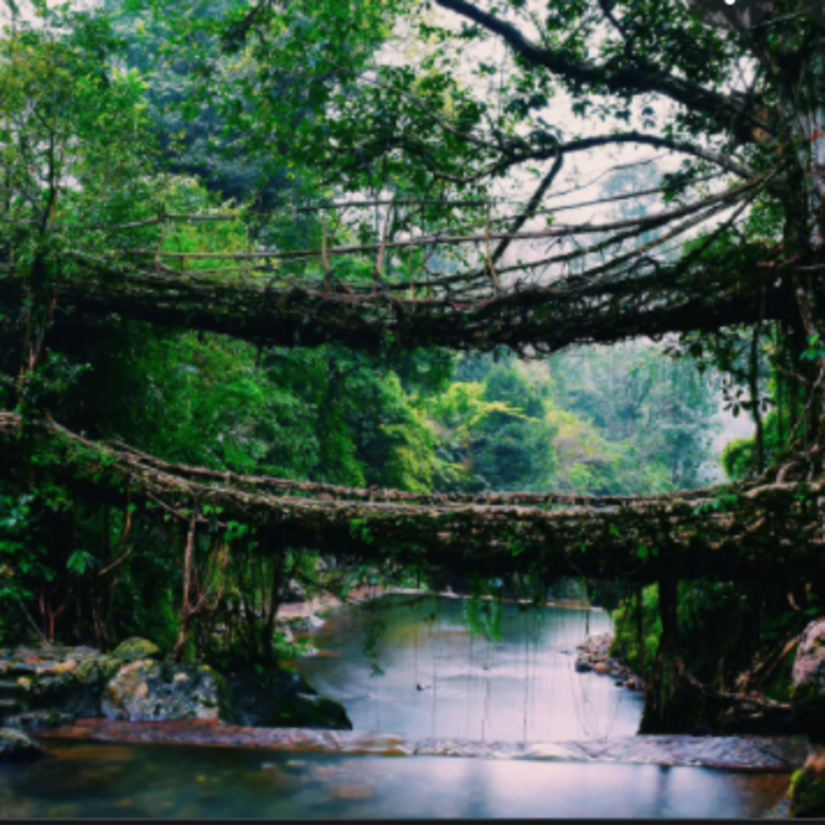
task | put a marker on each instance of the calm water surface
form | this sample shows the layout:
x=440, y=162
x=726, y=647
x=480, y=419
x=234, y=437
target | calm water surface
x=441, y=680
x=98, y=780
x=520, y=687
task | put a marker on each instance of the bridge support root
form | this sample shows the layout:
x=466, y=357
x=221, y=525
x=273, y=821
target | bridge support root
x=672, y=700
x=673, y=703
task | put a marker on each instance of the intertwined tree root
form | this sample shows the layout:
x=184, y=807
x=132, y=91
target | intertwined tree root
x=738, y=532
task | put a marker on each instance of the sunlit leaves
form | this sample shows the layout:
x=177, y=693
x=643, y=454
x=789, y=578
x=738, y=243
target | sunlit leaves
x=76, y=146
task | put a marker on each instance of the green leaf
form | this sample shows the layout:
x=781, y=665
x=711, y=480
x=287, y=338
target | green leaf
x=80, y=561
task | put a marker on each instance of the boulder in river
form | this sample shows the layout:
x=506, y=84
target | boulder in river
x=49, y=685
x=97, y=669
x=160, y=691
x=279, y=699
x=808, y=676
x=594, y=655
x=15, y=746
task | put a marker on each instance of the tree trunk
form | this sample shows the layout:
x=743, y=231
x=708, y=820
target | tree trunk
x=671, y=701
x=186, y=606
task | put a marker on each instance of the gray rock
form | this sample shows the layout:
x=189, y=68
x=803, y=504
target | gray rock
x=15, y=746
x=304, y=624
x=293, y=592
x=808, y=678
x=37, y=720
x=153, y=691
x=76, y=689
x=807, y=790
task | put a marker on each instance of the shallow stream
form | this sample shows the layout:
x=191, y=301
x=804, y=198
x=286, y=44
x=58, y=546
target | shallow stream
x=438, y=680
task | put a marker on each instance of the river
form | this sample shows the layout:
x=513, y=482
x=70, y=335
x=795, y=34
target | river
x=442, y=680
x=438, y=680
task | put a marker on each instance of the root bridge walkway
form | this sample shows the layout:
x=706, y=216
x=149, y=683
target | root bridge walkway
x=768, y=529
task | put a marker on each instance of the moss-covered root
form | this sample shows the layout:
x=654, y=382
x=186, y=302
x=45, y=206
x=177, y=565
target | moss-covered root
x=808, y=786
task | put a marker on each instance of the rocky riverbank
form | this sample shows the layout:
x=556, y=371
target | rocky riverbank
x=594, y=655
x=46, y=686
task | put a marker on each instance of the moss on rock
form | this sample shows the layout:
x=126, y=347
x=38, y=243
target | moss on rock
x=37, y=720
x=97, y=669
x=153, y=691
x=15, y=746
x=134, y=649
x=808, y=793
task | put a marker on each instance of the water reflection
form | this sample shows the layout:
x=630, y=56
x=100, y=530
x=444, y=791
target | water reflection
x=441, y=680
x=168, y=781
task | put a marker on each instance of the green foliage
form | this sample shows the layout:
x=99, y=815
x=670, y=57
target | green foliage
x=80, y=561
x=77, y=156
x=723, y=631
x=494, y=435
x=640, y=422
x=739, y=455
x=625, y=421
x=483, y=615
x=626, y=644
x=22, y=559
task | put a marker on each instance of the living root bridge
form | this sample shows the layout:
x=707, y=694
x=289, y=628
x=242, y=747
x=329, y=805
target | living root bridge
x=733, y=533
x=531, y=319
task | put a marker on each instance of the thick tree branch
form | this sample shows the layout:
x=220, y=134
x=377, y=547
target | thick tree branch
x=724, y=110
x=725, y=162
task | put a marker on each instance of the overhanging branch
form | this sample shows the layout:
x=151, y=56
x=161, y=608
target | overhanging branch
x=724, y=110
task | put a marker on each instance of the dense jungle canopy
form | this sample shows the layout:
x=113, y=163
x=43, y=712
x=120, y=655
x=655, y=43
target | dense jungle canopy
x=281, y=278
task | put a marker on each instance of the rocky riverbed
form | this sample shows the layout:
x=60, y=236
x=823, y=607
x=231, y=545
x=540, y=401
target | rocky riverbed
x=781, y=754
